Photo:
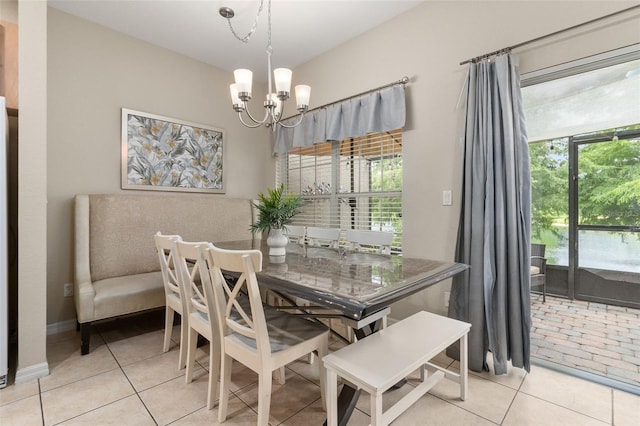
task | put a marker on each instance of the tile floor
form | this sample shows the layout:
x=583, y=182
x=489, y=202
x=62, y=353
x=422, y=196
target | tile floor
x=126, y=379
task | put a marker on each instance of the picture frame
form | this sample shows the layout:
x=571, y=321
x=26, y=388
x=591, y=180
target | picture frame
x=166, y=154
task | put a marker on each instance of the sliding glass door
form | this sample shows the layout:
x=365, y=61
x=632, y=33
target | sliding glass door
x=604, y=218
x=583, y=123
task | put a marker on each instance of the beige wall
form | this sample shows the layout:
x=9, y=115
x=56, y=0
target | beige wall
x=427, y=44
x=93, y=73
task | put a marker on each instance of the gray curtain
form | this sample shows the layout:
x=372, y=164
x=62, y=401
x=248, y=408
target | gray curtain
x=378, y=111
x=495, y=218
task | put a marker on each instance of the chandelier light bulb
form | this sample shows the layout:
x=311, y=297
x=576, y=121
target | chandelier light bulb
x=283, y=82
x=275, y=100
x=235, y=99
x=303, y=93
x=244, y=79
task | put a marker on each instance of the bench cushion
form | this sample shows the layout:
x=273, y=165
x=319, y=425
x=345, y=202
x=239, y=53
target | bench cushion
x=124, y=295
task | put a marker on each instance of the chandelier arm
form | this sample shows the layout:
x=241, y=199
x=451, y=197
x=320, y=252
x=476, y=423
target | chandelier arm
x=251, y=126
x=290, y=126
x=259, y=122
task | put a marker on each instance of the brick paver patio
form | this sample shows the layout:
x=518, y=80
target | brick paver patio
x=593, y=337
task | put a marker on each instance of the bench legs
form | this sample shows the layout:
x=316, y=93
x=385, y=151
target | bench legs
x=85, y=336
x=380, y=418
x=464, y=367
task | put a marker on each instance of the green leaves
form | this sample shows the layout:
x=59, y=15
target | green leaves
x=275, y=209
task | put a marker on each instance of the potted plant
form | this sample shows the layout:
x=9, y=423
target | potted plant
x=275, y=210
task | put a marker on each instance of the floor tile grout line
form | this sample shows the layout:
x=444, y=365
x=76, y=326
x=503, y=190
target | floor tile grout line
x=93, y=409
x=561, y=406
x=135, y=390
x=506, y=413
x=463, y=408
x=41, y=405
x=299, y=411
x=119, y=366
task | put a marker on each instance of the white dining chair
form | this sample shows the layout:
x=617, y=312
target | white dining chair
x=263, y=344
x=371, y=241
x=200, y=305
x=323, y=237
x=174, y=297
x=296, y=233
x=378, y=242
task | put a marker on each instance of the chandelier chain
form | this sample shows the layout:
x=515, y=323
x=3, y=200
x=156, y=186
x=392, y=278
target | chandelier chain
x=246, y=38
x=269, y=48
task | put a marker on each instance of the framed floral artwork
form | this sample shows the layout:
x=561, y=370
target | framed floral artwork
x=164, y=154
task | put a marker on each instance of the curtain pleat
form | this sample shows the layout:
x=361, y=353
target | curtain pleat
x=379, y=111
x=495, y=218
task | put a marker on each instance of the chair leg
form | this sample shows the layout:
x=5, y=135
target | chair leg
x=184, y=342
x=225, y=382
x=264, y=397
x=544, y=292
x=279, y=375
x=322, y=351
x=214, y=373
x=85, y=337
x=191, y=354
x=168, y=328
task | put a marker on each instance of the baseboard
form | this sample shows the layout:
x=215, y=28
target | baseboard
x=61, y=326
x=28, y=374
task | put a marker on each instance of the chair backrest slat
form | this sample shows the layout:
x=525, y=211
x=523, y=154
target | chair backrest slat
x=377, y=241
x=164, y=247
x=233, y=316
x=323, y=237
x=194, y=276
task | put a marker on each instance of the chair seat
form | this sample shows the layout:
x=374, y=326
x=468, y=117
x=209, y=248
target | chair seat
x=285, y=330
x=534, y=270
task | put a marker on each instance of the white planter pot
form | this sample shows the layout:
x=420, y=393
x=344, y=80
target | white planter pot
x=277, y=242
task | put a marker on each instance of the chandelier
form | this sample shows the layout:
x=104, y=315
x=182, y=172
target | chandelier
x=241, y=89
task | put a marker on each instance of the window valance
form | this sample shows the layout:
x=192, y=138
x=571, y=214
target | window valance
x=377, y=111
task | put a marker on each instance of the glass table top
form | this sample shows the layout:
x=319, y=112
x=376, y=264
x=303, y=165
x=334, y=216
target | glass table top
x=355, y=283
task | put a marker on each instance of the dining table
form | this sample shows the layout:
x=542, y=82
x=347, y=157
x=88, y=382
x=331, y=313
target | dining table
x=352, y=285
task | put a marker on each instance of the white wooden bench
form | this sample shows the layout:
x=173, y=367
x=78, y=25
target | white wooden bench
x=381, y=360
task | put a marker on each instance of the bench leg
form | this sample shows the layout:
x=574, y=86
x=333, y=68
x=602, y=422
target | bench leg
x=376, y=409
x=332, y=398
x=85, y=336
x=347, y=400
x=464, y=367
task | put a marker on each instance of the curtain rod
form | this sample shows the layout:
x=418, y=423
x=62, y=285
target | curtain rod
x=533, y=40
x=404, y=80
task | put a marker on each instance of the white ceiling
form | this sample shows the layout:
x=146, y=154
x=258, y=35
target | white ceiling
x=301, y=29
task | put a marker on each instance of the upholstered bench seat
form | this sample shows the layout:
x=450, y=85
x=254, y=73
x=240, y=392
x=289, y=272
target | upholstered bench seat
x=121, y=295
x=117, y=271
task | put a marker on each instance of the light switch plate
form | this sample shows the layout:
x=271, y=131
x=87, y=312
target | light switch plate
x=446, y=197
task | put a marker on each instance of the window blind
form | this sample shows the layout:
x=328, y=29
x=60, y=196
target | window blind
x=355, y=183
